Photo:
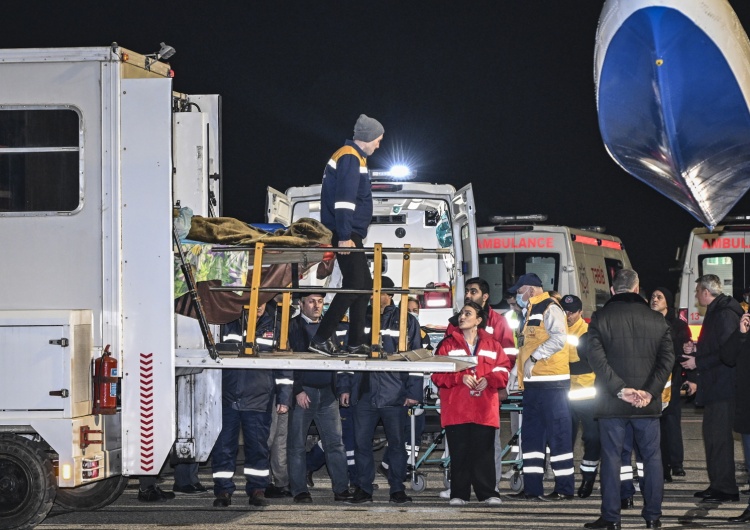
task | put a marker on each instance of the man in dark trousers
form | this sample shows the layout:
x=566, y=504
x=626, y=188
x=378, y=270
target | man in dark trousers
x=629, y=347
x=715, y=386
x=346, y=210
x=385, y=396
x=317, y=395
x=247, y=397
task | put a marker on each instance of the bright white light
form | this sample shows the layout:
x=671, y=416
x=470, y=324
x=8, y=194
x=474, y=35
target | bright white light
x=437, y=302
x=400, y=171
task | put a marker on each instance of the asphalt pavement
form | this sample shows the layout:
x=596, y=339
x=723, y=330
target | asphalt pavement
x=427, y=511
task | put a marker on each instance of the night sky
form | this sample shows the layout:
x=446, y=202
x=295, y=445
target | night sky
x=496, y=93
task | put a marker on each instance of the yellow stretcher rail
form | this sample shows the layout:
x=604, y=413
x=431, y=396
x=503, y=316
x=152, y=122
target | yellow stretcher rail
x=310, y=255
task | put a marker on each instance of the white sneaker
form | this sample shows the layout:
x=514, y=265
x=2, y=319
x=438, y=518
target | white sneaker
x=445, y=494
x=493, y=501
x=457, y=502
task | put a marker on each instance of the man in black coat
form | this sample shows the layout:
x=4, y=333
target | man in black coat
x=737, y=354
x=715, y=386
x=630, y=349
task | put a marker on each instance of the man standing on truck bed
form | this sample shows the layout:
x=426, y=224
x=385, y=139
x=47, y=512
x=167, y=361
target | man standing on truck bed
x=346, y=210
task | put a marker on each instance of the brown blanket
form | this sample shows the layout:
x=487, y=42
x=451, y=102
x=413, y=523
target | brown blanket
x=305, y=232
x=222, y=307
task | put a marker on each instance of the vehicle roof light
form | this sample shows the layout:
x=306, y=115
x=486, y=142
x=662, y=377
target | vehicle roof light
x=531, y=218
x=397, y=172
x=610, y=244
x=586, y=240
x=386, y=187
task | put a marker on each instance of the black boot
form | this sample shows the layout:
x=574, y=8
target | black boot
x=587, y=486
x=744, y=518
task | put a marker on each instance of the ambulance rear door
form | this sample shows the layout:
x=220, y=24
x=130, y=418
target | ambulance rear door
x=278, y=207
x=723, y=252
x=464, y=225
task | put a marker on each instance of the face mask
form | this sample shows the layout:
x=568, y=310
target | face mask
x=520, y=301
x=415, y=315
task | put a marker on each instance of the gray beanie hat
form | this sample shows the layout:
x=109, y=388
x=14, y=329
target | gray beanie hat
x=367, y=129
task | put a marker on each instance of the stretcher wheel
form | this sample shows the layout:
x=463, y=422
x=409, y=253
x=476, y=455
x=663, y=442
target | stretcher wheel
x=447, y=478
x=418, y=484
x=516, y=481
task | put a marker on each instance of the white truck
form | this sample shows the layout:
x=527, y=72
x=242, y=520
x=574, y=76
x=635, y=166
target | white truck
x=568, y=260
x=96, y=150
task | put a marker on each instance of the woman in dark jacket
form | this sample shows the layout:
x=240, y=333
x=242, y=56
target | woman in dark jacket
x=470, y=408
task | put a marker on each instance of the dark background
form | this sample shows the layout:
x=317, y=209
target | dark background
x=496, y=93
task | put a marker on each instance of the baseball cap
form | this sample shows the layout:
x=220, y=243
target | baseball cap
x=526, y=279
x=572, y=303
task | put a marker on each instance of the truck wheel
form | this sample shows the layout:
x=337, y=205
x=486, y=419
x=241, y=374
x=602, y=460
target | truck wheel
x=27, y=483
x=91, y=496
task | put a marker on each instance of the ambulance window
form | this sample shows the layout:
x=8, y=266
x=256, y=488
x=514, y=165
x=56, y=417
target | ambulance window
x=602, y=295
x=501, y=270
x=40, y=160
x=732, y=270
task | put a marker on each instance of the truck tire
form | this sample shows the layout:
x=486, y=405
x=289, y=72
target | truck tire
x=27, y=483
x=91, y=496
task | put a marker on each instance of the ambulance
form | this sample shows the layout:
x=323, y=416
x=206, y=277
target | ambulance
x=725, y=252
x=423, y=215
x=568, y=260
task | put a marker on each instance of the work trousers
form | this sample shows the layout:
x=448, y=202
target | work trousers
x=277, y=442
x=366, y=417
x=355, y=274
x=718, y=417
x=613, y=431
x=472, y=460
x=185, y=475
x=582, y=411
x=629, y=447
x=255, y=428
x=546, y=422
x=316, y=457
x=672, y=451
x=324, y=410
x=419, y=422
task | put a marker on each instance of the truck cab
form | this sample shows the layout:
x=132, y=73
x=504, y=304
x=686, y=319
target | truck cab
x=568, y=260
x=423, y=215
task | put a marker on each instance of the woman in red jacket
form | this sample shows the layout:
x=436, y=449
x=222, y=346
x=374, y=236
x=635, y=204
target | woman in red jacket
x=470, y=408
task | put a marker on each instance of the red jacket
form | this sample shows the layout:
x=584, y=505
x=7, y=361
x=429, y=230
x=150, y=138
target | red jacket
x=456, y=403
x=497, y=326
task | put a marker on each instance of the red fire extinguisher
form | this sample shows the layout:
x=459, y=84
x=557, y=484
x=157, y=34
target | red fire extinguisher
x=105, y=383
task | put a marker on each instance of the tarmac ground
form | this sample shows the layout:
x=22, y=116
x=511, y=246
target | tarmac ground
x=428, y=510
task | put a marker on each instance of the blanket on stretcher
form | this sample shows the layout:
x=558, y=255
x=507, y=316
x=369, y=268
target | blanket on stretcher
x=231, y=268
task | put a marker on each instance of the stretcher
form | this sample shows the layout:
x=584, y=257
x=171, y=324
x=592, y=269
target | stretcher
x=418, y=480
x=514, y=403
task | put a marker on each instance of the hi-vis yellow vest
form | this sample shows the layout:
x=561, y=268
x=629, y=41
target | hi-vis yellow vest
x=578, y=382
x=582, y=385
x=534, y=335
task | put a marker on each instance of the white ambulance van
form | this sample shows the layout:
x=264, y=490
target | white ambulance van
x=568, y=260
x=427, y=216
x=725, y=252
